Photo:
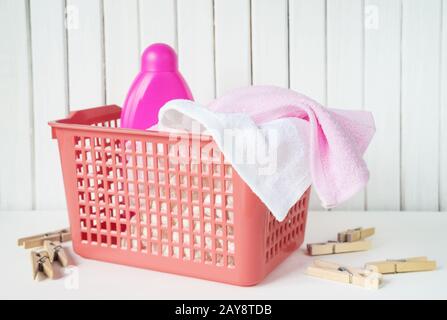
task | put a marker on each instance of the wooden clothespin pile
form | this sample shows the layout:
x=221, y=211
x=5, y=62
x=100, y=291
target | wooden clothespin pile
x=48, y=250
x=357, y=234
x=370, y=276
x=351, y=240
x=402, y=265
x=38, y=240
x=332, y=271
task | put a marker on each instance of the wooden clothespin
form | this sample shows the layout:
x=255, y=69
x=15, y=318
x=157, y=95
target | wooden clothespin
x=357, y=234
x=56, y=252
x=38, y=240
x=333, y=247
x=41, y=264
x=402, y=265
x=332, y=271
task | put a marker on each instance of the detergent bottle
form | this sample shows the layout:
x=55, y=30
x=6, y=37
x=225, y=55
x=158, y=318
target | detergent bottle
x=158, y=82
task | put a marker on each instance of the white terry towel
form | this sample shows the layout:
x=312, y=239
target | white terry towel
x=272, y=158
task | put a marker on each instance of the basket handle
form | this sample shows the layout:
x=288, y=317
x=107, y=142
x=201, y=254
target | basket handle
x=88, y=117
x=93, y=115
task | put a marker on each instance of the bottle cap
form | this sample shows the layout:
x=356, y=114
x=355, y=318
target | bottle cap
x=159, y=57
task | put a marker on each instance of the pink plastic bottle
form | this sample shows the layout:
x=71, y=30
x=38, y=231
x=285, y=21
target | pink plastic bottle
x=158, y=82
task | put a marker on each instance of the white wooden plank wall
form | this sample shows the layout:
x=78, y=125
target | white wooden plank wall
x=86, y=49
x=158, y=22
x=382, y=97
x=232, y=44
x=386, y=56
x=17, y=145
x=50, y=96
x=270, y=54
x=122, y=47
x=421, y=34
x=443, y=136
x=196, y=47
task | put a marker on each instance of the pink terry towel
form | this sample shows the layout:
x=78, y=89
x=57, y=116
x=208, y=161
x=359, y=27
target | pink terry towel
x=338, y=138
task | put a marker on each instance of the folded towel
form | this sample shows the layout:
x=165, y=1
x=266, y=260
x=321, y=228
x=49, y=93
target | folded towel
x=306, y=143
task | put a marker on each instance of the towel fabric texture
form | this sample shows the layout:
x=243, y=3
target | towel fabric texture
x=280, y=142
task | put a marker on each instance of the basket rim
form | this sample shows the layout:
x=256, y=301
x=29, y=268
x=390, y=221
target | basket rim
x=113, y=112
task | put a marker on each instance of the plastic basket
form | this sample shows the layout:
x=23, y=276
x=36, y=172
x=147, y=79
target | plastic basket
x=135, y=198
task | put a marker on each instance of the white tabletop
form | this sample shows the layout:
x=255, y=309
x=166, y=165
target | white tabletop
x=398, y=235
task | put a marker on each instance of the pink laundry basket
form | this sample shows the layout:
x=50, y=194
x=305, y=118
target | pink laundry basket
x=135, y=198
